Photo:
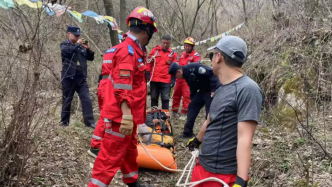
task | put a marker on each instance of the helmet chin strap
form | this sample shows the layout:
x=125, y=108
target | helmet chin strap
x=150, y=32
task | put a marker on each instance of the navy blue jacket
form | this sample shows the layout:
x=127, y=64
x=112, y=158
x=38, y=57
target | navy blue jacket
x=70, y=54
x=200, y=78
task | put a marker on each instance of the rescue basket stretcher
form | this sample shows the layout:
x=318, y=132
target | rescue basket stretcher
x=160, y=144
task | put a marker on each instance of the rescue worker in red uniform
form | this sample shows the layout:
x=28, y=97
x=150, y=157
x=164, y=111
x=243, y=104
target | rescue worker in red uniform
x=181, y=89
x=160, y=58
x=125, y=105
x=99, y=131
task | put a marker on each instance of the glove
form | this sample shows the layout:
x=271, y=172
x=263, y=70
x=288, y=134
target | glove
x=240, y=182
x=127, y=125
x=193, y=143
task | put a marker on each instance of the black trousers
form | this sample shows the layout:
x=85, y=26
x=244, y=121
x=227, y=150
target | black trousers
x=195, y=105
x=69, y=87
x=163, y=89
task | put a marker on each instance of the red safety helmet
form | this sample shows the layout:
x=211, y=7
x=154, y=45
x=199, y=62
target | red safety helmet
x=143, y=14
x=190, y=41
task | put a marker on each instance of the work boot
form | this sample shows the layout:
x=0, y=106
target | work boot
x=93, y=152
x=136, y=184
x=184, y=136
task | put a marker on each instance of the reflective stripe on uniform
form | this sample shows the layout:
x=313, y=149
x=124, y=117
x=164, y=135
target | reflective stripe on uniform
x=123, y=86
x=109, y=131
x=107, y=61
x=130, y=175
x=98, y=182
x=96, y=137
x=185, y=109
x=140, y=65
x=175, y=108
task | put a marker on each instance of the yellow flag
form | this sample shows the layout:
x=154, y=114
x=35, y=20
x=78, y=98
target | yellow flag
x=212, y=39
x=109, y=18
x=78, y=14
x=37, y=4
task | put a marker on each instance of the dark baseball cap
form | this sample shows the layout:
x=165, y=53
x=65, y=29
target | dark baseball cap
x=173, y=68
x=74, y=30
x=231, y=45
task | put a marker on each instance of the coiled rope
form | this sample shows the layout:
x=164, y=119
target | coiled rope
x=190, y=163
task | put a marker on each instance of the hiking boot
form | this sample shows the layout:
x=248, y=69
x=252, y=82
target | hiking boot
x=93, y=152
x=136, y=184
x=64, y=124
x=184, y=136
x=93, y=126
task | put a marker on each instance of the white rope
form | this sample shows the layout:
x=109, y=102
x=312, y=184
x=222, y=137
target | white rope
x=156, y=159
x=191, y=163
x=154, y=65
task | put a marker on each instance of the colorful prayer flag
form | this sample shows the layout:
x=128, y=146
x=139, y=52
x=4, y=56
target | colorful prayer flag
x=99, y=19
x=76, y=15
x=58, y=9
x=7, y=4
x=109, y=18
x=111, y=24
x=90, y=13
x=37, y=4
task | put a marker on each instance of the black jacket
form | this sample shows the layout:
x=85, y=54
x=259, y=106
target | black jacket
x=200, y=78
x=70, y=54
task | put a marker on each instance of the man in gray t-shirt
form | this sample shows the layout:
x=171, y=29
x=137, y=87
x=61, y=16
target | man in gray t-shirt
x=226, y=136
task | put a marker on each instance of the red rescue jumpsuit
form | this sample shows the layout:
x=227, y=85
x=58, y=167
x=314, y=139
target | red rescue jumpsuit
x=163, y=61
x=105, y=71
x=181, y=87
x=127, y=83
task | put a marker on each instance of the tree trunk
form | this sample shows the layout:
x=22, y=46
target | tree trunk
x=110, y=12
x=245, y=12
x=147, y=4
x=123, y=15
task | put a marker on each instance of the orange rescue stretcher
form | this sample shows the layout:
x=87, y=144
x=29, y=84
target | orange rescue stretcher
x=160, y=145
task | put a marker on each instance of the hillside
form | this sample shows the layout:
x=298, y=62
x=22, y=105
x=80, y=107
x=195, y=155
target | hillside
x=290, y=51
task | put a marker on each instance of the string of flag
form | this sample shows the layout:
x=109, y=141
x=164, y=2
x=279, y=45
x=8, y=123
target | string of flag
x=58, y=10
x=215, y=38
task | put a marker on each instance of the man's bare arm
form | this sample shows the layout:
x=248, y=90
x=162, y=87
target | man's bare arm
x=246, y=130
x=201, y=133
x=125, y=108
